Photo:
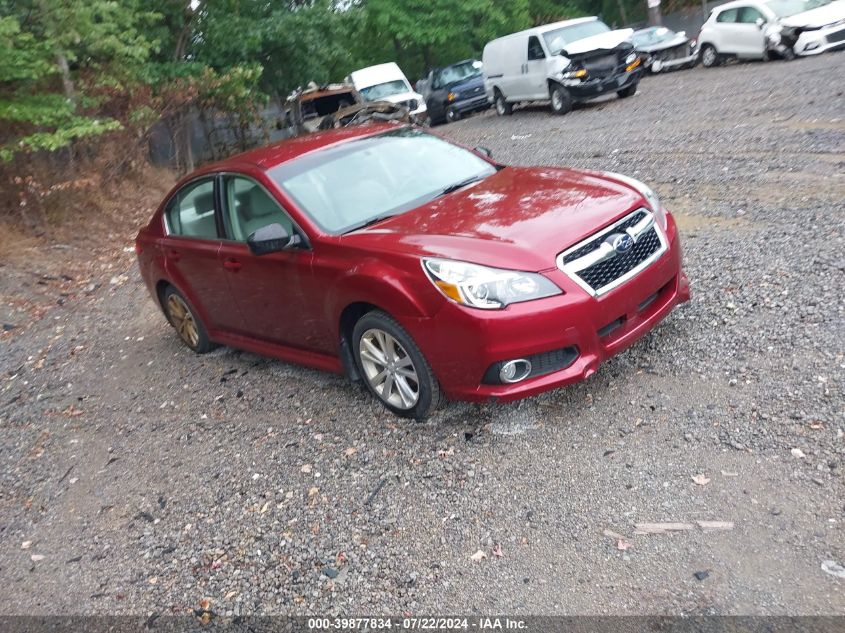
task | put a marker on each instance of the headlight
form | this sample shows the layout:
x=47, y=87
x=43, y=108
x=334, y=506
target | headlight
x=650, y=197
x=452, y=96
x=488, y=288
x=631, y=58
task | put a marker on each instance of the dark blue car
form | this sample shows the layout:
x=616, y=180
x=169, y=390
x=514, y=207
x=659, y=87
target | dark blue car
x=453, y=91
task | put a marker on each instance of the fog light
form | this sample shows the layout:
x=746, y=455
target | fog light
x=515, y=370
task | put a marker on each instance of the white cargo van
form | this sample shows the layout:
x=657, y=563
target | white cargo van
x=564, y=62
x=387, y=82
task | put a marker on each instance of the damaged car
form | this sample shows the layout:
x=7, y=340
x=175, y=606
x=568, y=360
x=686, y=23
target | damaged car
x=752, y=29
x=453, y=91
x=564, y=63
x=423, y=269
x=662, y=49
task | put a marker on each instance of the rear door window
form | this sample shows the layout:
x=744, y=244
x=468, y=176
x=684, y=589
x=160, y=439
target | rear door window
x=190, y=213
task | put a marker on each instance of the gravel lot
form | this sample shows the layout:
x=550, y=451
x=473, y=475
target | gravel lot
x=136, y=477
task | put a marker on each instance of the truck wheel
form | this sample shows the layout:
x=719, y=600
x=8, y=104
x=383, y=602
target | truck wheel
x=561, y=100
x=503, y=108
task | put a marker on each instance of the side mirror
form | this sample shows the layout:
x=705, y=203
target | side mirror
x=760, y=22
x=484, y=150
x=271, y=239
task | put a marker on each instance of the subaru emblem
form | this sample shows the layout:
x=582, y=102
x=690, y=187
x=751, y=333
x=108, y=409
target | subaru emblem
x=621, y=242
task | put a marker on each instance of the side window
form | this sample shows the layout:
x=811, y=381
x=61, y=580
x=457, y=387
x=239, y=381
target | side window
x=749, y=15
x=727, y=16
x=249, y=207
x=437, y=83
x=535, y=49
x=191, y=211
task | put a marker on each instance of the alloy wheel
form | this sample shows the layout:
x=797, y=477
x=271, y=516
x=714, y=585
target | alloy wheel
x=183, y=320
x=708, y=56
x=389, y=369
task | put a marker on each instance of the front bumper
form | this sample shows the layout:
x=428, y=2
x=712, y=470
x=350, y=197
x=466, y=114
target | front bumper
x=592, y=88
x=476, y=102
x=820, y=40
x=462, y=343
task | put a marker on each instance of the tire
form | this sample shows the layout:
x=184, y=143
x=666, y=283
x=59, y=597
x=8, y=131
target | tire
x=630, y=91
x=452, y=114
x=503, y=108
x=788, y=54
x=380, y=345
x=187, y=324
x=561, y=99
x=709, y=56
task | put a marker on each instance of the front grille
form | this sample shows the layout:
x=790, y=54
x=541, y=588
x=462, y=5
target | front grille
x=541, y=364
x=839, y=36
x=592, y=245
x=604, y=273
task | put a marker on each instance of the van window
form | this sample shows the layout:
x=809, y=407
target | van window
x=535, y=50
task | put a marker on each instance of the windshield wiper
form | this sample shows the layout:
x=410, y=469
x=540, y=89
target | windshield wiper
x=460, y=185
x=370, y=222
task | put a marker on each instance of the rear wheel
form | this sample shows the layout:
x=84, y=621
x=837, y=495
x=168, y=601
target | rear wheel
x=187, y=325
x=561, y=100
x=503, y=108
x=709, y=56
x=630, y=91
x=393, y=368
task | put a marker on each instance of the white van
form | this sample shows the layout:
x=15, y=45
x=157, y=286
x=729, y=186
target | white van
x=564, y=62
x=387, y=82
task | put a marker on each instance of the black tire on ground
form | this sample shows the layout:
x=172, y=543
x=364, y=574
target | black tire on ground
x=503, y=108
x=429, y=394
x=189, y=327
x=630, y=91
x=561, y=99
x=452, y=114
x=709, y=56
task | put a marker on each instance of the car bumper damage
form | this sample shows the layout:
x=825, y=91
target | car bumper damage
x=565, y=338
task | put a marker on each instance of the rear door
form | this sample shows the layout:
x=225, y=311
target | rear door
x=190, y=248
x=727, y=32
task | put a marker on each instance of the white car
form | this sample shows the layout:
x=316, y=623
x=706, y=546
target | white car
x=749, y=29
x=387, y=82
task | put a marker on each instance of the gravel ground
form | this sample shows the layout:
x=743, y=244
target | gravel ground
x=136, y=477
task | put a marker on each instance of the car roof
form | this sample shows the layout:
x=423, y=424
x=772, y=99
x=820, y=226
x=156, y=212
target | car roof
x=270, y=156
x=737, y=3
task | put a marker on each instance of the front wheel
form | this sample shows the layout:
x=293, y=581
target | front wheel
x=709, y=56
x=393, y=368
x=561, y=100
x=453, y=114
x=630, y=91
x=503, y=108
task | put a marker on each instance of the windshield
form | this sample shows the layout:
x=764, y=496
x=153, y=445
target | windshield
x=558, y=39
x=382, y=91
x=785, y=8
x=344, y=187
x=652, y=36
x=456, y=73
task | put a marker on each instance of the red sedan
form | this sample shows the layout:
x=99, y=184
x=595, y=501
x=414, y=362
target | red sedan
x=420, y=267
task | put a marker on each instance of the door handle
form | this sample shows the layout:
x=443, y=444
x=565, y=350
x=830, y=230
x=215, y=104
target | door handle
x=232, y=264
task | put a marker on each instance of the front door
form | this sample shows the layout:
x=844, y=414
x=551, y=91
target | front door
x=535, y=84
x=268, y=289
x=750, y=25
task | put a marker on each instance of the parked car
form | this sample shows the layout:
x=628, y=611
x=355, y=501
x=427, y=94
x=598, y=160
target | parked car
x=663, y=49
x=424, y=269
x=305, y=109
x=750, y=29
x=565, y=62
x=387, y=82
x=453, y=91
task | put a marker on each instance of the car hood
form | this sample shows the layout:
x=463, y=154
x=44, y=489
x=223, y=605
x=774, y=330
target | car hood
x=818, y=17
x=518, y=218
x=675, y=40
x=467, y=85
x=608, y=40
x=404, y=96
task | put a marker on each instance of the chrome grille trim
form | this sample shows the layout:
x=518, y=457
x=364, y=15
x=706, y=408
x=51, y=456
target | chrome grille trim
x=605, y=252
